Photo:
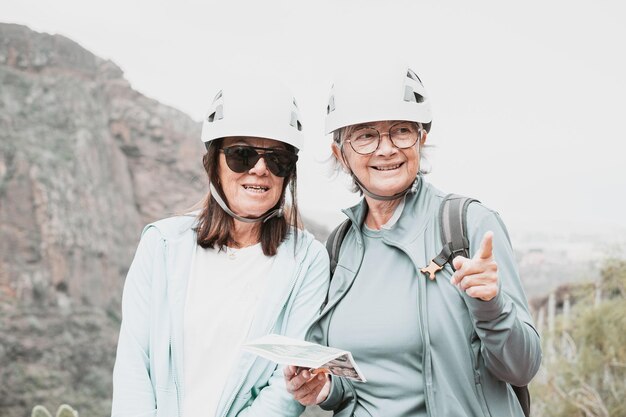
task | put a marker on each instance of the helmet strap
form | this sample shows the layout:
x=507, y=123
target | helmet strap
x=272, y=213
x=411, y=189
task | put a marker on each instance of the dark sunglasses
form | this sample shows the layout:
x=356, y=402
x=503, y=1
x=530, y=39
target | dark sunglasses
x=240, y=159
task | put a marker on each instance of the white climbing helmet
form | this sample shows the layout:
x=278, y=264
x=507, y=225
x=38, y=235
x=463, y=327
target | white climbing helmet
x=377, y=92
x=254, y=107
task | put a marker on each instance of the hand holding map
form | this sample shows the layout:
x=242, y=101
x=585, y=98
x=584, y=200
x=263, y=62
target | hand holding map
x=288, y=351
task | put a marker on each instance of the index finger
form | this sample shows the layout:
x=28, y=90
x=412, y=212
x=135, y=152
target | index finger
x=299, y=378
x=486, y=247
x=289, y=371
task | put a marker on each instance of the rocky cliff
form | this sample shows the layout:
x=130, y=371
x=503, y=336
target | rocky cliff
x=86, y=161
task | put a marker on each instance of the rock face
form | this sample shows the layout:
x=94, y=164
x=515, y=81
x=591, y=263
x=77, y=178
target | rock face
x=86, y=161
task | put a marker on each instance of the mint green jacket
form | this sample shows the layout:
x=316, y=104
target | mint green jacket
x=148, y=374
x=473, y=349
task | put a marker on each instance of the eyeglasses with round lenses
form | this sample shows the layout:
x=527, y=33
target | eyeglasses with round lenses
x=365, y=140
x=280, y=162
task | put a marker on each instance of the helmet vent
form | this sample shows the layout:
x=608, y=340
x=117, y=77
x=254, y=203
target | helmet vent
x=217, y=114
x=411, y=96
x=217, y=96
x=413, y=76
x=295, y=122
x=294, y=103
x=331, y=105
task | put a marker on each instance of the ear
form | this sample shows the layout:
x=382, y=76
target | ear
x=423, y=138
x=338, y=155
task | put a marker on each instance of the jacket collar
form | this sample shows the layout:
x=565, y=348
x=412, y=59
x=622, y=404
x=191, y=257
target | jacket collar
x=409, y=225
x=413, y=221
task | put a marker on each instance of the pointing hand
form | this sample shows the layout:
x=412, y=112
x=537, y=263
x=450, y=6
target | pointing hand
x=478, y=276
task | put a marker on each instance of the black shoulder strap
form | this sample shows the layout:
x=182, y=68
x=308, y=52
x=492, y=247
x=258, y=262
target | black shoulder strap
x=453, y=221
x=333, y=244
x=523, y=396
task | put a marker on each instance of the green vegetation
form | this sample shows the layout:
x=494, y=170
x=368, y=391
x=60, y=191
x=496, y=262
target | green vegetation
x=49, y=357
x=584, y=369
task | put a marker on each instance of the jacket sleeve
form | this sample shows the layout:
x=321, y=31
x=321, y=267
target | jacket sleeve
x=511, y=346
x=133, y=393
x=274, y=400
x=337, y=397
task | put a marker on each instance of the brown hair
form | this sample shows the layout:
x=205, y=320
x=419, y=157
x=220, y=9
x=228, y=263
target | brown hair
x=215, y=225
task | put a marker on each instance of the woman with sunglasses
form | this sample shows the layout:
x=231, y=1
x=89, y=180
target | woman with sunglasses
x=202, y=284
x=451, y=346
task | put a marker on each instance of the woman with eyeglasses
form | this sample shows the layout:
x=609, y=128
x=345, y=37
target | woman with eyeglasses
x=431, y=340
x=202, y=284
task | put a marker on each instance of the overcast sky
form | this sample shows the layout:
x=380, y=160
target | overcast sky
x=529, y=98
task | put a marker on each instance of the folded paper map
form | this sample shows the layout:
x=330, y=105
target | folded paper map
x=287, y=351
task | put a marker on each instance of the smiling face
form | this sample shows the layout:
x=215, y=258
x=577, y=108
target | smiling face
x=255, y=191
x=386, y=171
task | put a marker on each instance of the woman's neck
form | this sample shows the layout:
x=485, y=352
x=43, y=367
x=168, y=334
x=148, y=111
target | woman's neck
x=379, y=212
x=245, y=234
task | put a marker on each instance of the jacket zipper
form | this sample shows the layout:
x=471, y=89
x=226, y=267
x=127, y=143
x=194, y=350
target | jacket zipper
x=173, y=343
x=425, y=341
x=175, y=372
x=477, y=379
x=353, y=396
x=235, y=391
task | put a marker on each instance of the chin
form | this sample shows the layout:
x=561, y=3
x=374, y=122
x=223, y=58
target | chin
x=387, y=190
x=255, y=211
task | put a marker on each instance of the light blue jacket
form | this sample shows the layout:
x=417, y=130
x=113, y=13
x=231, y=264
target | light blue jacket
x=473, y=349
x=148, y=374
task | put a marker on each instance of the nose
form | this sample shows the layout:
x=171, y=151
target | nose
x=386, y=146
x=260, y=168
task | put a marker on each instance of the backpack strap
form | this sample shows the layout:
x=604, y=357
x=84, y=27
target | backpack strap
x=453, y=229
x=453, y=226
x=333, y=245
x=523, y=396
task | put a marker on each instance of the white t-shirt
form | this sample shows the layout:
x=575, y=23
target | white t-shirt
x=222, y=294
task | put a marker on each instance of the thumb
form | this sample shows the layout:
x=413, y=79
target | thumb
x=458, y=262
x=486, y=247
